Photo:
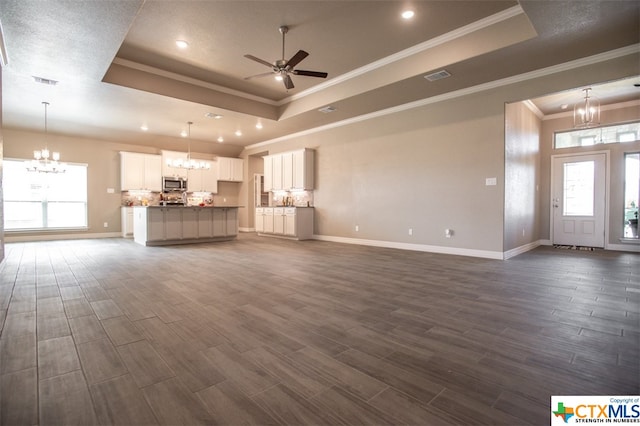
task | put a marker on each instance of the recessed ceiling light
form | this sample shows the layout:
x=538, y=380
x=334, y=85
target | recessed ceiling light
x=564, y=106
x=144, y=128
x=408, y=14
x=238, y=133
x=183, y=133
x=182, y=44
x=220, y=139
x=278, y=77
x=258, y=125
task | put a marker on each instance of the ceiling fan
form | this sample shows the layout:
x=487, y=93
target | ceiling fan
x=282, y=68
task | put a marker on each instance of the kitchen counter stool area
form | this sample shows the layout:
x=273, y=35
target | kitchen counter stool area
x=167, y=225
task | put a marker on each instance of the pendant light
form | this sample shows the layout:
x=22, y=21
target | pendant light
x=45, y=161
x=189, y=164
x=586, y=113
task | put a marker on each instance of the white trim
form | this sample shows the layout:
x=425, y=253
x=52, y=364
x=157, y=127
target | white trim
x=624, y=247
x=4, y=57
x=246, y=229
x=545, y=242
x=522, y=249
x=411, y=51
x=633, y=49
x=534, y=109
x=415, y=247
x=194, y=81
x=53, y=237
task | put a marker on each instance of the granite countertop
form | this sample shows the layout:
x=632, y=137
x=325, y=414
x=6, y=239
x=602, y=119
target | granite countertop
x=199, y=207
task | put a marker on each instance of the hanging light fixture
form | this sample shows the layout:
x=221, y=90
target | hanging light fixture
x=189, y=163
x=45, y=161
x=586, y=113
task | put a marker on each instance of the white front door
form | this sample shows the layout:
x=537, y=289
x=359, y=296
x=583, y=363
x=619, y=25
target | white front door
x=578, y=200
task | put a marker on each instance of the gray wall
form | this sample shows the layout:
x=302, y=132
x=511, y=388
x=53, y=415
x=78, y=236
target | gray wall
x=522, y=166
x=616, y=158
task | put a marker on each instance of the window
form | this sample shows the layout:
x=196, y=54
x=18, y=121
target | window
x=631, y=194
x=44, y=200
x=618, y=133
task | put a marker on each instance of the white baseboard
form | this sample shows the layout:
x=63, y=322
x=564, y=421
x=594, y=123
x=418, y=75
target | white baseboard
x=53, y=237
x=522, y=249
x=415, y=247
x=247, y=229
x=632, y=247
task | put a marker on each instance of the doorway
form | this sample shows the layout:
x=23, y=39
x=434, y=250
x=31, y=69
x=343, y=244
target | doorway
x=578, y=203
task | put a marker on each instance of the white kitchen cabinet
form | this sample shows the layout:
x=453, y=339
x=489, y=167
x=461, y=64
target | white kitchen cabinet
x=259, y=219
x=289, y=170
x=154, y=224
x=291, y=222
x=268, y=220
x=205, y=223
x=168, y=157
x=268, y=173
x=203, y=180
x=230, y=169
x=278, y=220
x=140, y=171
x=127, y=222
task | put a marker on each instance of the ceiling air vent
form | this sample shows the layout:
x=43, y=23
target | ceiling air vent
x=45, y=81
x=438, y=75
x=327, y=109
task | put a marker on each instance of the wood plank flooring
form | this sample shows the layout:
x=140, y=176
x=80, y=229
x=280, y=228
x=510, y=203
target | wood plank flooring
x=262, y=331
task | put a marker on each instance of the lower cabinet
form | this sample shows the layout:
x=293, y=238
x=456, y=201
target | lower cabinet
x=292, y=222
x=181, y=225
x=127, y=222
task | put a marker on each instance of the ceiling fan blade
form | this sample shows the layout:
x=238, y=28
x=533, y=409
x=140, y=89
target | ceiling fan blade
x=296, y=59
x=261, y=61
x=259, y=75
x=288, y=83
x=311, y=73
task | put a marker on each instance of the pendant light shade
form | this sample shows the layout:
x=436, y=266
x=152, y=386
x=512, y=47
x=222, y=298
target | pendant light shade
x=586, y=112
x=45, y=161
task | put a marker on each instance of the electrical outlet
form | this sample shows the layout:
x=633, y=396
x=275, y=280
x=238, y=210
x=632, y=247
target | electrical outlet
x=106, y=224
x=448, y=233
x=410, y=231
x=357, y=228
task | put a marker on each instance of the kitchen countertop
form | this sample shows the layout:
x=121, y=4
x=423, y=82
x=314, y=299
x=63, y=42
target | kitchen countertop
x=183, y=207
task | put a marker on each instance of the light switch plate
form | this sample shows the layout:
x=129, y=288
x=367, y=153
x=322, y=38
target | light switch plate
x=490, y=181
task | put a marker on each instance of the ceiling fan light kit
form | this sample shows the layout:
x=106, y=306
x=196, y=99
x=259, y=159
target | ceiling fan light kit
x=282, y=69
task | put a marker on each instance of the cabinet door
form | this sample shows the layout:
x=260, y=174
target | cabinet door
x=224, y=168
x=268, y=221
x=303, y=169
x=173, y=223
x=155, y=224
x=205, y=223
x=277, y=172
x=287, y=170
x=237, y=169
x=219, y=222
x=153, y=172
x=194, y=180
x=210, y=179
x=290, y=222
x=189, y=223
x=268, y=173
x=259, y=220
x=131, y=171
x=231, y=222
x=278, y=221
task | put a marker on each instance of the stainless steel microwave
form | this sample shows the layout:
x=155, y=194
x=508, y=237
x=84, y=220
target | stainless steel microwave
x=174, y=184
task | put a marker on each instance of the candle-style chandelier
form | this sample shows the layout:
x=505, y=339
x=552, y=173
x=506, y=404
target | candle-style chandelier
x=45, y=161
x=189, y=163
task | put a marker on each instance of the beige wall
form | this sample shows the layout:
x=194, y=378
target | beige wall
x=616, y=161
x=522, y=165
x=425, y=168
x=1, y=192
x=103, y=161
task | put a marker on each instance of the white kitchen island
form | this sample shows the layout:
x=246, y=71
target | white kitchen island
x=166, y=225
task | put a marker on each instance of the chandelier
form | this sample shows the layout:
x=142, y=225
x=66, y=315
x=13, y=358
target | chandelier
x=189, y=163
x=586, y=113
x=45, y=161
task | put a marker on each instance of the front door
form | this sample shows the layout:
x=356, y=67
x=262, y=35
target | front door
x=578, y=200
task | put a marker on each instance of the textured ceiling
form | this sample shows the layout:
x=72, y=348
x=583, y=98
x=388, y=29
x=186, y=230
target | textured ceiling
x=118, y=67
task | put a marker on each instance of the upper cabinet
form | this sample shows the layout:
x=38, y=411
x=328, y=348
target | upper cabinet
x=140, y=171
x=230, y=169
x=203, y=180
x=289, y=170
x=169, y=157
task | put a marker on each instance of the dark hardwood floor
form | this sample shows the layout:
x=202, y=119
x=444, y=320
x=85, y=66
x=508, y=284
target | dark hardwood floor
x=265, y=331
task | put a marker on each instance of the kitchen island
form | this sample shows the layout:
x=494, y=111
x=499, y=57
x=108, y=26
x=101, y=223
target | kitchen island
x=166, y=225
